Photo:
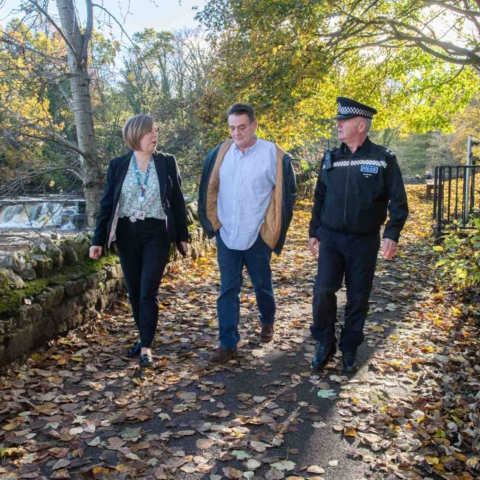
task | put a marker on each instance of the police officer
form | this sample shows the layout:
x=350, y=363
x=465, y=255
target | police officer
x=356, y=185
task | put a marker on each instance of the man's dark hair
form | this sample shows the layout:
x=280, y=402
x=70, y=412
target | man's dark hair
x=242, y=109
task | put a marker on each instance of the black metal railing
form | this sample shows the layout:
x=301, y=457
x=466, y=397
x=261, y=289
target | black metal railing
x=456, y=196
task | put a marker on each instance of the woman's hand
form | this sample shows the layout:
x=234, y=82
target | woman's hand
x=95, y=252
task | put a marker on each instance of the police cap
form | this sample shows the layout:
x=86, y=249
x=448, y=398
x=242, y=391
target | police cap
x=348, y=108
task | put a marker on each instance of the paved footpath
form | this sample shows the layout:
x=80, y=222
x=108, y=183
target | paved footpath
x=80, y=409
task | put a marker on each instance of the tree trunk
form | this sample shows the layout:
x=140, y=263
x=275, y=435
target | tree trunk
x=77, y=53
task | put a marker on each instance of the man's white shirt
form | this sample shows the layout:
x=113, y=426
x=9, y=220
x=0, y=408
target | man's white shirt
x=247, y=181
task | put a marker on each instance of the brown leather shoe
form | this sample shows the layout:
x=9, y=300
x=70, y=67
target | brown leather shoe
x=266, y=335
x=220, y=356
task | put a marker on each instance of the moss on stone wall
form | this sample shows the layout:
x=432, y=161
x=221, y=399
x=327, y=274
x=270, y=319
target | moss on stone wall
x=11, y=300
x=4, y=284
x=92, y=266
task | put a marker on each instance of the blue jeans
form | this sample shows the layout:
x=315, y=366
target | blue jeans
x=231, y=262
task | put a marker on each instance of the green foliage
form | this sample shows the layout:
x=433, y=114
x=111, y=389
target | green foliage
x=288, y=58
x=439, y=151
x=418, y=152
x=467, y=123
x=410, y=152
x=163, y=74
x=291, y=58
x=38, y=125
x=459, y=257
x=24, y=96
x=168, y=76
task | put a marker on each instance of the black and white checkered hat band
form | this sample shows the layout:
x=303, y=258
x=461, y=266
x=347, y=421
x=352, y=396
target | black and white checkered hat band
x=354, y=111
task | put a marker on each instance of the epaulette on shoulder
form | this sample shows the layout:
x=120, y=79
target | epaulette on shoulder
x=391, y=155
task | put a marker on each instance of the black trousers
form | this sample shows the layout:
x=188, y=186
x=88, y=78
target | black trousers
x=144, y=250
x=352, y=256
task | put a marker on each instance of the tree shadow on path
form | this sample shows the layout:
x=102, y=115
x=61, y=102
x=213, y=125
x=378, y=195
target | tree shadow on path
x=79, y=408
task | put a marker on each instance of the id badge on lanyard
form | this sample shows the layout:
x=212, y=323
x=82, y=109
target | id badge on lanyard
x=143, y=187
x=137, y=215
x=140, y=214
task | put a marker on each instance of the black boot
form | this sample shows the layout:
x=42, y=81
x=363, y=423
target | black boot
x=134, y=350
x=146, y=360
x=349, y=362
x=323, y=355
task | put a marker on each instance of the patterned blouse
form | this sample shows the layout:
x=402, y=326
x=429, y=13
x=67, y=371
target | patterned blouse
x=129, y=197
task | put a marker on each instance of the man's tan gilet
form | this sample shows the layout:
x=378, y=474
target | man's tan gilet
x=272, y=226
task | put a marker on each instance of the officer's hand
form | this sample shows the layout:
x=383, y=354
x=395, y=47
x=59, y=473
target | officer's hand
x=389, y=248
x=95, y=252
x=313, y=246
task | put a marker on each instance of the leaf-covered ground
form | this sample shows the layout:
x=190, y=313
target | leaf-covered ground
x=79, y=409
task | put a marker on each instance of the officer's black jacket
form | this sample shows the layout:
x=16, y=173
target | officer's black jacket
x=354, y=196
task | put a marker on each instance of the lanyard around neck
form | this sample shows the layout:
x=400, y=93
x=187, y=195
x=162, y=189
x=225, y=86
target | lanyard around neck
x=143, y=187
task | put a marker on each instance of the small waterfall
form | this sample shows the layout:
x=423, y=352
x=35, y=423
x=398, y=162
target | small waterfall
x=49, y=212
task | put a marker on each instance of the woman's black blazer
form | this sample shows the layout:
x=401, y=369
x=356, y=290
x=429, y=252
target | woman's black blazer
x=170, y=192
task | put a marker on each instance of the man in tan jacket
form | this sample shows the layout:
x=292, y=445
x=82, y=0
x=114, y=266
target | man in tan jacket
x=246, y=199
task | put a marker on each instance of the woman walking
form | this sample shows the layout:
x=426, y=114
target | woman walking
x=143, y=210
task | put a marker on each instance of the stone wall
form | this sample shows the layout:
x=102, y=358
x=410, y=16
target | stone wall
x=55, y=287
x=56, y=310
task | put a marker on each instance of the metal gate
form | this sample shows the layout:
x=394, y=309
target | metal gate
x=456, y=196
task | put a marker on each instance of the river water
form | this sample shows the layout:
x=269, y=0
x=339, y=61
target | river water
x=21, y=218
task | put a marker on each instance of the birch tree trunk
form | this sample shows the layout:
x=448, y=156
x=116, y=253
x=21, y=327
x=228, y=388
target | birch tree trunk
x=77, y=53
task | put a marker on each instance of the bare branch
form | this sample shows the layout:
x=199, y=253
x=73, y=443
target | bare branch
x=53, y=137
x=461, y=11
x=473, y=19
x=130, y=40
x=21, y=179
x=57, y=28
x=88, y=31
x=382, y=44
x=446, y=46
x=451, y=53
x=447, y=58
x=42, y=134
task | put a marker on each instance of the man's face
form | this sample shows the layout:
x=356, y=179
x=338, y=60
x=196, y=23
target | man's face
x=242, y=130
x=349, y=129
